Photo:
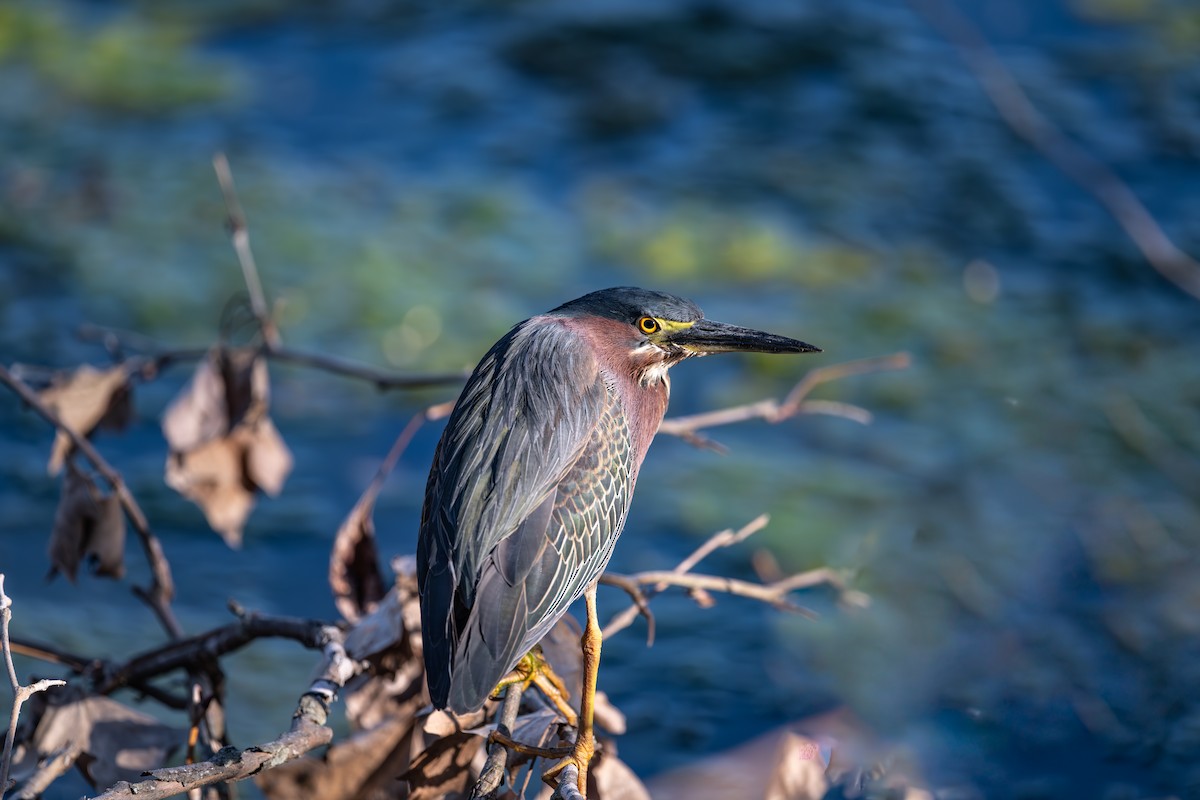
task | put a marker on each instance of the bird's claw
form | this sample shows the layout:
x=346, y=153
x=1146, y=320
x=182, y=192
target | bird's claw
x=533, y=669
x=580, y=758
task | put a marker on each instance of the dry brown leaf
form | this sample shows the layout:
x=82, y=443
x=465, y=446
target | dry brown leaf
x=86, y=399
x=224, y=447
x=87, y=524
x=443, y=770
x=229, y=386
x=211, y=476
x=354, y=574
x=117, y=742
x=198, y=413
x=268, y=459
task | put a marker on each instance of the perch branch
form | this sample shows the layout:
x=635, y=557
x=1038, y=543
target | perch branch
x=567, y=789
x=20, y=693
x=162, y=587
x=1086, y=171
x=793, y=403
x=492, y=774
x=308, y=731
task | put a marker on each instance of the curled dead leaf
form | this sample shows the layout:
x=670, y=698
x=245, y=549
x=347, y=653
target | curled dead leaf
x=354, y=574
x=88, y=524
x=84, y=400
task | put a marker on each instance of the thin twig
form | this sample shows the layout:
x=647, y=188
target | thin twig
x=1088, y=172
x=434, y=412
x=725, y=538
x=162, y=587
x=50, y=768
x=349, y=369
x=240, y=234
x=794, y=403
x=640, y=605
x=152, y=359
x=774, y=594
x=20, y=693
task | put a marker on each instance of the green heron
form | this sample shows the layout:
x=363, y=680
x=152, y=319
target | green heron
x=533, y=476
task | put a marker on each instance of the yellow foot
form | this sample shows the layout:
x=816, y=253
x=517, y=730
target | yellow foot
x=534, y=669
x=580, y=758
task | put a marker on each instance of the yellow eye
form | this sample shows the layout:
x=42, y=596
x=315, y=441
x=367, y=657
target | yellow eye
x=648, y=325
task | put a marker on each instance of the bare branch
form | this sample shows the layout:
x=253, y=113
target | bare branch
x=1088, y=172
x=434, y=412
x=20, y=693
x=641, y=605
x=152, y=359
x=349, y=369
x=773, y=594
x=51, y=769
x=185, y=653
x=162, y=587
x=641, y=599
x=492, y=774
x=240, y=234
x=725, y=538
x=794, y=403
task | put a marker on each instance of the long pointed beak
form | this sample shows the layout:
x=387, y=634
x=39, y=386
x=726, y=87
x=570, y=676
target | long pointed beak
x=707, y=336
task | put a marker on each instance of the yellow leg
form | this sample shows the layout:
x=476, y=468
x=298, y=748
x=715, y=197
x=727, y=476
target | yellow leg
x=585, y=740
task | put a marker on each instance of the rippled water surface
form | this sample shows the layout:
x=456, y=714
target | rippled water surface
x=1022, y=512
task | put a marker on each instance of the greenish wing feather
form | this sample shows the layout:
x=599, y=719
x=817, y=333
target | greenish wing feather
x=522, y=421
x=533, y=575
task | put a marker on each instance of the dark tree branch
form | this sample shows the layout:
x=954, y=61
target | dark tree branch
x=185, y=653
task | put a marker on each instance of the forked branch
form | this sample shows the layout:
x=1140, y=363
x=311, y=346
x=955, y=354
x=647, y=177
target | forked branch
x=793, y=403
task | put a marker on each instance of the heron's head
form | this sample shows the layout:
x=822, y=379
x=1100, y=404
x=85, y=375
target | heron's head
x=654, y=331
